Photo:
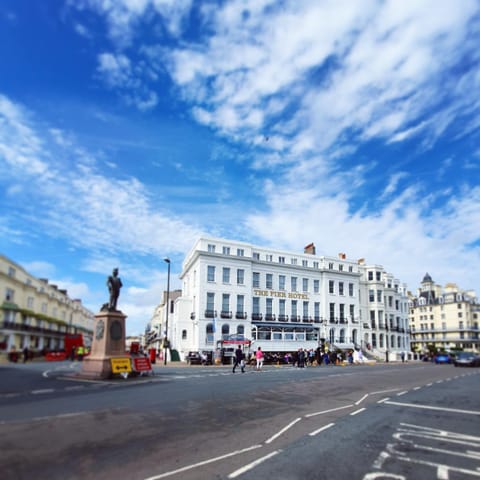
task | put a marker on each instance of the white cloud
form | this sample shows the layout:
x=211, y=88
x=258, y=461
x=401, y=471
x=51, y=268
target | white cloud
x=118, y=72
x=124, y=15
x=40, y=268
x=94, y=212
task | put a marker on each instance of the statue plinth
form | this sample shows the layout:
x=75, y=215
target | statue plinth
x=108, y=342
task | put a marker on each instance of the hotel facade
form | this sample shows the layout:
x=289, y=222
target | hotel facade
x=37, y=314
x=444, y=318
x=282, y=301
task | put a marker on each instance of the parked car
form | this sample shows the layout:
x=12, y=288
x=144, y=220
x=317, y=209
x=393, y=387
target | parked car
x=442, y=358
x=194, y=358
x=199, y=358
x=467, y=359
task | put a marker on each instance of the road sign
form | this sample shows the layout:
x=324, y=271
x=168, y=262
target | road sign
x=141, y=364
x=121, y=365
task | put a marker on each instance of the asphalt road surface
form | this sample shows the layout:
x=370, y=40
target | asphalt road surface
x=399, y=421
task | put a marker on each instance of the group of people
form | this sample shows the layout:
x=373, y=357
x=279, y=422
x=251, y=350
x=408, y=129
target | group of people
x=257, y=357
x=301, y=358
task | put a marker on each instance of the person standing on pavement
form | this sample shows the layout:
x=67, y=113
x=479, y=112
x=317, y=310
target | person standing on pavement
x=25, y=354
x=239, y=360
x=259, y=357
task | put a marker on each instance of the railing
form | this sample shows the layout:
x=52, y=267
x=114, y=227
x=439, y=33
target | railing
x=283, y=318
x=270, y=317
x=225, y=314
x=210, y=313
x=241, y=315
x=21, y=327
x=257, y=316
x=295, y=318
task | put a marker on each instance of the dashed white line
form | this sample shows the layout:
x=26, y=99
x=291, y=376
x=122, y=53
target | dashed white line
x=362, y=399
x=383, y=400
x=356, y=412
x=248, y=467
x=316, y=432
x=283, y=430
x=402, y=393
x=40, y=392
x=205, y=462
x=385, y=391
x=327, y=411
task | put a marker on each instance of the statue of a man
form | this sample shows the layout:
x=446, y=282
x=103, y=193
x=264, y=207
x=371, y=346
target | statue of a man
x=114, y=285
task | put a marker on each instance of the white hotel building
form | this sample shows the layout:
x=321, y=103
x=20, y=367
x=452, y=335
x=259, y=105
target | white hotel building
x=283, y=301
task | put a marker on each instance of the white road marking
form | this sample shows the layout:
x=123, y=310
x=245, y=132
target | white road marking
x=252, y=465
x=360, y=410
x=361, y=400
x=312, y=434
x=428, y=407
x=283, y=430
x=327, y=411
x=40, y=392
x=205, y=462
x=383, y=400
x=385, y=391
x=402, y=393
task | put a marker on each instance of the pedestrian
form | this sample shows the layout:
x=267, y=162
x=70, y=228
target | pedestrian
x=72, y=353
x=80, y=352
x=259, y=358
x=238, y=359
x=326, y=358
x=301, y=358
x=350, y=357
x=402, y=356
x=25, y=354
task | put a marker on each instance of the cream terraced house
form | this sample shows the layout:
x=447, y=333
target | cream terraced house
x=384, y=310
x=444, y=318
x=281, y=301
x=37, y=314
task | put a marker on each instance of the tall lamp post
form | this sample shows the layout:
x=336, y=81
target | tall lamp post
x=386, y=341
x=165, y=343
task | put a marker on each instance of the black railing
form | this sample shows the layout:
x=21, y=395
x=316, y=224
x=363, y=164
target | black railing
x=283, y=318
x=210, y=313
x=270, y=317
x=241, y=315
x=257, y=316
x=225, y=314
x=30, y=328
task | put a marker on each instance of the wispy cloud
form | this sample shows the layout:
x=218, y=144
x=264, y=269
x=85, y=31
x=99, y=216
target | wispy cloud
x=91, y=210
x=117, y=72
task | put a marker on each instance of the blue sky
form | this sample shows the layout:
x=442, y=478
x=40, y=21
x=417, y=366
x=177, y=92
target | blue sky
x=128, y=128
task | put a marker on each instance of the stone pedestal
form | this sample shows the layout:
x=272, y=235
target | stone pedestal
x=108, y=342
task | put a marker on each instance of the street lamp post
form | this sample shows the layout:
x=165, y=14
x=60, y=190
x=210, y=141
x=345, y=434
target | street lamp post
x=386, y=341
x=165, y=343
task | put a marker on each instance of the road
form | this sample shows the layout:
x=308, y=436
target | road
x=404, y=421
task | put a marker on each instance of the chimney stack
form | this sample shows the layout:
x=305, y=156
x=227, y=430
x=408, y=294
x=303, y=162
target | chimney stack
x=310, y=249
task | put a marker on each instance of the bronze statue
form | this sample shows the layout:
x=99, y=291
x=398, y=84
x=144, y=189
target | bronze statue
x=114, y=285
